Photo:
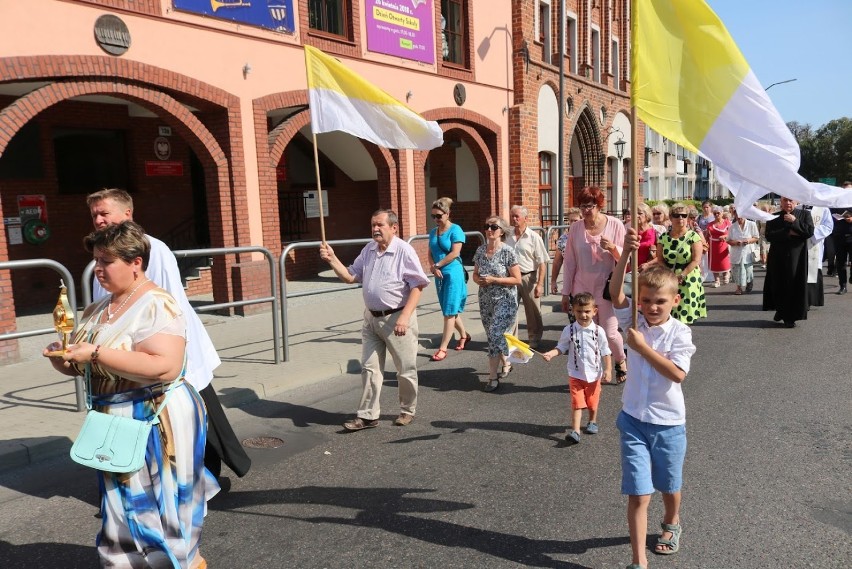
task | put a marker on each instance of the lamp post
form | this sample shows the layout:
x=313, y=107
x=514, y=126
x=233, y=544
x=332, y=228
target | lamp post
x=780, y=83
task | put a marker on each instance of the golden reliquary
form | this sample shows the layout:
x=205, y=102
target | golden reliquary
x=63, y=319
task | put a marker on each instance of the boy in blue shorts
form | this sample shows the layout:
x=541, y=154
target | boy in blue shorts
x=652, y=422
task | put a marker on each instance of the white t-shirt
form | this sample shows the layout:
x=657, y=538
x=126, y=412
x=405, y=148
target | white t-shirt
x=585, y=348
x=648, y=396
x=163, y=270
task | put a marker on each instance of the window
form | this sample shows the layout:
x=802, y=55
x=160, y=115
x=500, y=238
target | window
x=328, y=16
x=544, y=29
x=610, y=186
x=625, y=184
x=87, y=159
x=570, y=47
x=596, y=55
x=22, y=159
x=454, y=31
x=545, y=185
x=616, y=78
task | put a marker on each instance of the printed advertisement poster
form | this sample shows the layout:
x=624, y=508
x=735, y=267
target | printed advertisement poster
x=405, y=28
x=274, y=15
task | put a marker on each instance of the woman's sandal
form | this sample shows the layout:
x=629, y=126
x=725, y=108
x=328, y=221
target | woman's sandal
x=462, y=343
x=620, y=373
x=492, y=385
x=440, y=355
x=673, y=543
x=507, y=369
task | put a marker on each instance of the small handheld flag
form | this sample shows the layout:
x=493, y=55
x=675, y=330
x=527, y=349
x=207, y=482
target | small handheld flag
x=519, y=352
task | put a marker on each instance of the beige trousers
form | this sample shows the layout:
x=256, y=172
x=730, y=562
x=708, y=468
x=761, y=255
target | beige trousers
x=532, y=306
x=377, y=338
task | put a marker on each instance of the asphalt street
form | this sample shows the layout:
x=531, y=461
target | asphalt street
x=486, y=480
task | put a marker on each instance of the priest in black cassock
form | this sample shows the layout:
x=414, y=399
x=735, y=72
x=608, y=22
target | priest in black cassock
x=786, y=288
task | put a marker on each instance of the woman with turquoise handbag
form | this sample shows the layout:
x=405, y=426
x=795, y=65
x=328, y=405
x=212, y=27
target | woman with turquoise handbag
x=131, y=348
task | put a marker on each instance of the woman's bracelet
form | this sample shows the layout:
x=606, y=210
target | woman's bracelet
x=96, y=354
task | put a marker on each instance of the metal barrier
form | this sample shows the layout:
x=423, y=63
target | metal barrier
x=548, y=234
x=284, y=296
x=426, y=236
x=182, y=254
x=72, y=300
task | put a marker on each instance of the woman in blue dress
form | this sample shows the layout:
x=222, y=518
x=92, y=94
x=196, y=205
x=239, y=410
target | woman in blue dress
x=445, y=244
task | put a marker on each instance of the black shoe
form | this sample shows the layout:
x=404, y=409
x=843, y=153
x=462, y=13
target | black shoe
x=789, y=324
x=777, y=317
x=749, y=286
x=842, y=290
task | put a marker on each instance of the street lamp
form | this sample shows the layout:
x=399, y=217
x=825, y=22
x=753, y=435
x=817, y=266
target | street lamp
x=619, y=147
x=780, y=83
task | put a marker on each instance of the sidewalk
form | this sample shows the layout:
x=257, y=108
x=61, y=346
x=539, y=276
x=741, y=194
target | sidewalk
x=38, y=416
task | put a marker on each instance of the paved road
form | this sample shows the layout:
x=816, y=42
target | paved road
x=485, y=480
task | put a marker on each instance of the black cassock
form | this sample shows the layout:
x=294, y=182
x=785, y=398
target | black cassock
x=786, y=286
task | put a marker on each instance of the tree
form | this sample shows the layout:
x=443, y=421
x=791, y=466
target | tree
x=827, y=151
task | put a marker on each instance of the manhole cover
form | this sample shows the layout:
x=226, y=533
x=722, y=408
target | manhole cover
x=263, y=442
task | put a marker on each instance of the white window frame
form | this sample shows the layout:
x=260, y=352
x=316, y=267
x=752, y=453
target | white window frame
x=548, y=34
x=596, y=53
x=615, y=63
x=571, y=32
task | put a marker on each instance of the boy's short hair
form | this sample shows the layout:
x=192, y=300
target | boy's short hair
x=582, y=299
x=658, y=278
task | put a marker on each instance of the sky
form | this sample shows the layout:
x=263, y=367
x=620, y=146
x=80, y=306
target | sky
x=806, y=40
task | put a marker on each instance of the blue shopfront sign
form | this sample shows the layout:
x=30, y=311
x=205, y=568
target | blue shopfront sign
x=270, y=14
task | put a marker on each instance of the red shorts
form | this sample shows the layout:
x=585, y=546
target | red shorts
x=584, y=395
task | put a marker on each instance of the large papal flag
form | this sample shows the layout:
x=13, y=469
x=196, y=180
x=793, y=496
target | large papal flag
x=341, y=99
x=691, y=83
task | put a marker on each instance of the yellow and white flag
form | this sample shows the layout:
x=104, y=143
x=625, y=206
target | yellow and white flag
x=519, y=352
x=341, y=99
x=691, y=83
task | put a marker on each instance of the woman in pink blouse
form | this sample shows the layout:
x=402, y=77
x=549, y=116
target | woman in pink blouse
x=591, y=252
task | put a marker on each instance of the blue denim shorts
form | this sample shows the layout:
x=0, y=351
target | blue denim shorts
x=651, y=456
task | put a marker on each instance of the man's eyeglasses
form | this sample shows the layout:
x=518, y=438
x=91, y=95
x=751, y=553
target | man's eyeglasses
x=437, y=215
x=656, y=213
x=491, y=226
x=588, y=206
x=679, y=215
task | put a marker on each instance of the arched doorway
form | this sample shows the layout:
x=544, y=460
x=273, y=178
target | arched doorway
x=586, y=158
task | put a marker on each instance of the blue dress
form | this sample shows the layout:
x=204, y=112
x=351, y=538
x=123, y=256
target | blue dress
x=452, y=290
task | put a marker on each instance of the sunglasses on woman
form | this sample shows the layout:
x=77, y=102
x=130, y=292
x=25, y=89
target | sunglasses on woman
x=491, y=226
x=437, y=215
x=679, y=215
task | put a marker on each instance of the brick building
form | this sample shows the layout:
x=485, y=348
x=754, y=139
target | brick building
x=596, y=103
x=199, y=109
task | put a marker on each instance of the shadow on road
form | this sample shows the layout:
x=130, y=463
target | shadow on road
x=47, y=555
x=386, y=509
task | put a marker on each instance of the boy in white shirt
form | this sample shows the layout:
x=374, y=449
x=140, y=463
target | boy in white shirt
x=652, y=421
x=589, y=362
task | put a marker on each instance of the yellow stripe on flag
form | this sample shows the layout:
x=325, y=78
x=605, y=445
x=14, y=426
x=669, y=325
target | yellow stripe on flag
x=516, y=345
x=340, y=99
x=685, y=69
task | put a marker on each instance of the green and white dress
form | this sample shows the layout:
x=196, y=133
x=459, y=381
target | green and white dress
x=677, y=254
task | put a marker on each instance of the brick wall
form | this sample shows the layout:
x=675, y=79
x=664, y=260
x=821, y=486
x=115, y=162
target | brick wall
x=153, y=7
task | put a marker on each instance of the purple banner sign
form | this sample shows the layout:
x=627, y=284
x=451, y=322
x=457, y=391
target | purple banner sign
x=405, y=28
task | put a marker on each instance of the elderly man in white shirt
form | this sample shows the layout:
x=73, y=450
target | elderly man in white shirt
x=532, y=259
x=393, y=279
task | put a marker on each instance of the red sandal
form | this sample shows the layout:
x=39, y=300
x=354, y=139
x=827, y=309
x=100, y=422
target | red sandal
x=462, y=343
x=440, y=355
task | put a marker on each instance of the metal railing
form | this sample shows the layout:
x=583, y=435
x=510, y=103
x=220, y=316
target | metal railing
x=282, y=260
x=547, y=236
x=273, y=285
x=72, y=300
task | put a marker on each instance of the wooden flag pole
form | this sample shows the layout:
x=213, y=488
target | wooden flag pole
x=634, y=212
x=319, y=187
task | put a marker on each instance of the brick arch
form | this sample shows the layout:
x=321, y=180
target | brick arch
x=589, y=140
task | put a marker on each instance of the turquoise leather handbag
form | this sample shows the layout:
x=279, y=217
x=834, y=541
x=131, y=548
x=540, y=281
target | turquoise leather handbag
x=112, y=443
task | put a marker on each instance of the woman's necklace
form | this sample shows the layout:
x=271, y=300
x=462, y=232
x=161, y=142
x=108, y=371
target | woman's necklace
x=594, y=224
x=110, y=313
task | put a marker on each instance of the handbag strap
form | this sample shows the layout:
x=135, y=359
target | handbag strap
x=155, y=420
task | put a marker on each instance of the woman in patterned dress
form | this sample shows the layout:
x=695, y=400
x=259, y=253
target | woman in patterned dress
x=572, y=215
x=445, y=244
x=680, y=249
x=134, y=340
x=496, y=271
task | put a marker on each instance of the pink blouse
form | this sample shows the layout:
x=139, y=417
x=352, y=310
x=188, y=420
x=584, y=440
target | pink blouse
x=586, y=265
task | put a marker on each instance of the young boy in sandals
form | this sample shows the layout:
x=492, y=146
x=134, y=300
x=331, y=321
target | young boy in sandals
x=589, y=362
x=652, y=421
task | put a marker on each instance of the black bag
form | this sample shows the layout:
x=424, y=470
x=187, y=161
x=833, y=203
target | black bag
x=606, y=295
x=466, y=274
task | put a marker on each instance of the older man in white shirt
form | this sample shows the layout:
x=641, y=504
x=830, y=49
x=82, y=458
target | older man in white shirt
x=532, y=260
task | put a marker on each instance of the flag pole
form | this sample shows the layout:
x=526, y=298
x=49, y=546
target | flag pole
x=634, y=153
x=319, y=184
